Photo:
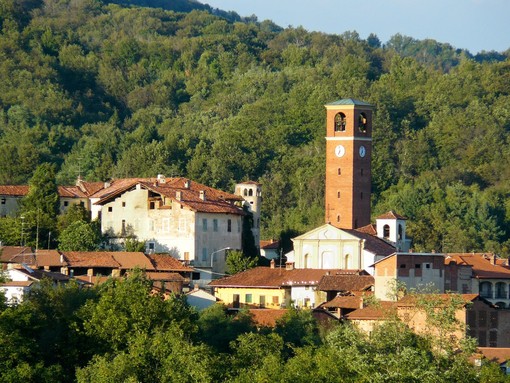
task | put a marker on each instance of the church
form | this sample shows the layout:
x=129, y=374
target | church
x=348, y=239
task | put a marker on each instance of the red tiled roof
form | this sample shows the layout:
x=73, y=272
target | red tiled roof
x=481, y=265
x=132, y=260
x=265, y=277
x=391, y=215
x=22, y=190
x=495, y=354
x=49, y=258
x=410, y=300
x=346, y=282
x=17, y=254
x=215, y=201
x=90, y=188
x=380, y=310
x=250, y=183
x=94, y=280
x=267, y=317
x=269, y=244
x=40, y=274
x=14, y=190
x=90, y=259
x=368, y=229
x=167, y=277
x=165, y=262
x=17, y=283
x=345, y=302
x=71, y=192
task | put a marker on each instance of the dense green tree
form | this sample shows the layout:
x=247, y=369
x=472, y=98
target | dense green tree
x=79, y=236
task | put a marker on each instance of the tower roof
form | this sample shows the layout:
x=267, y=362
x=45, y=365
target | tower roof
x=349, y=101
x=391, y=215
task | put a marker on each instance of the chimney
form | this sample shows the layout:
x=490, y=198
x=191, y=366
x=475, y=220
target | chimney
x=272, y=263
x=187, y=184
x=202, y=195
x=107, y=185
x=161, y=179
x=493, y=259
x=289, y=265
x=178, y=195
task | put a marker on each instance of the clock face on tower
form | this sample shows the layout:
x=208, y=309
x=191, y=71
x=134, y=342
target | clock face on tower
x=362, y=151
x=339, y=151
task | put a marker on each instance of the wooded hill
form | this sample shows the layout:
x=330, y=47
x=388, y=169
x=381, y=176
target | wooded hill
x=105, y=90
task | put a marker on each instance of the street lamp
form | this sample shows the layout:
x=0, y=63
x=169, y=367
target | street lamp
x=217, y=251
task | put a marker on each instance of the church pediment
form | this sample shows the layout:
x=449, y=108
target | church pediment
x=325, y=232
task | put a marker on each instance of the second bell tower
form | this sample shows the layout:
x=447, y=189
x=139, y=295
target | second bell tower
x=348, y=163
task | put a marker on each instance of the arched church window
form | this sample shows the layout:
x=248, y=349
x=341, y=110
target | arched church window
x=362, y=122
x=250, y=192
x=386, y=231
x=346, y=262
x=340, y=122
x=400, y=232
x=245, y=192
x=305, y=261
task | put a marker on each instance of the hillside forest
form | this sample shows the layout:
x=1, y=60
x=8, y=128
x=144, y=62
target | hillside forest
x=103, y=89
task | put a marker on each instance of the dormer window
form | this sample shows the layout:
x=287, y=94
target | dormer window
x=340, y=122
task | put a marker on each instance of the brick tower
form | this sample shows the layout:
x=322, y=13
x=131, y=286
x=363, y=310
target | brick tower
x=348, y=168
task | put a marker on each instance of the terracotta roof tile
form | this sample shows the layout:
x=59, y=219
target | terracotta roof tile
x=368, y=229
x=17, y=254
x=481, y=265
x=410, y=300
x=37, y=275
x=49, y=258
x=167, y=277
x=265, y=277
x=165, y=262
x=391, y=215
x=344, y=302
x=380, y=310
x=71, y=192
x=215, y=201
x=269, y=244
x=89, y=188
x=14, y=190
x=496, y=354
x=90, y=259
x=267, y=317
x=346, y=282
x=132, y=260
x=17, y=283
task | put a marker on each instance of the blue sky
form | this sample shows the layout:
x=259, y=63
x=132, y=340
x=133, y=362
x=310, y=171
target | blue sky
x=475, y=25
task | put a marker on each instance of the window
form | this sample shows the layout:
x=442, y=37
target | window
x=305, y=261
x=340, y=122
x=66, y=203
x=235, y=301
x=110, y=209
x=338, y=194
x=338, y=218
x=403, y=266
x=182, y=224
x=123, y=204
x=386, y=231
x=3, y=201
x=245, y=192
x=417, y=266
x=123, y=230
x=276, y=300
x=427, y=265
x=204, y=224
x=262, y=301
x=362, y=123
x=215, y=224
x=166, y=225
x=361, y=172
x=248, y=298
x=152, y=205
x=250, y=193
x=400, y=232
x=204, y=254
x=229, y=225
x=339, y=171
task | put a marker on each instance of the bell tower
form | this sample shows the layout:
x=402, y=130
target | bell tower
x=348, y=167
